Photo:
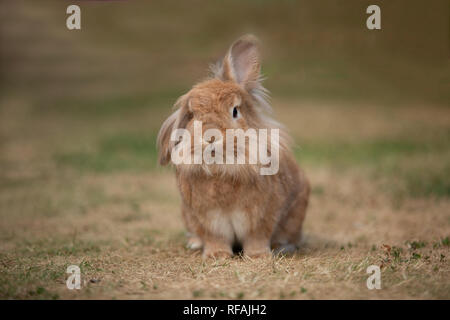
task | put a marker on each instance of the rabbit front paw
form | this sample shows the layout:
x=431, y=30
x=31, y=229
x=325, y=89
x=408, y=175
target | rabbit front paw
x=194, y=243
x=217, y=250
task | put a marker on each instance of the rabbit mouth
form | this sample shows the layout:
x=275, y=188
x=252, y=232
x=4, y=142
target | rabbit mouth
x=237, y=151
x=215, y=162
x=235, y=172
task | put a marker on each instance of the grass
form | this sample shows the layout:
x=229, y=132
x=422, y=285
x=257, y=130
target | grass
x=428, y=183
x=79, y=182
x=117, y=153
x=137, y=152
x=111, y=105
x=114, y=213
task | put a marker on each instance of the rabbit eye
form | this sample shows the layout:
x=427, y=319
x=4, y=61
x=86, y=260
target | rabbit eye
x=235, y=113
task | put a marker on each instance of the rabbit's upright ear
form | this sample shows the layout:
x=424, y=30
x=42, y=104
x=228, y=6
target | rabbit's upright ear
x=242, y=63
x=177, y=120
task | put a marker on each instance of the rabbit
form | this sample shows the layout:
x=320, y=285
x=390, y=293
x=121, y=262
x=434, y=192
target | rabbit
x=228, y=204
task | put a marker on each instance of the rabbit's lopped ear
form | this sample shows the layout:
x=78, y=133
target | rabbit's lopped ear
x=242, y=63
x=177, y=120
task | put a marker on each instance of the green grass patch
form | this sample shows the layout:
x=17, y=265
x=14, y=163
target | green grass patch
x=428, y=182
x=29, y=280
x=133, y=152
x=138, y=152
x=420, y=180
x=373, y=152
x=58, y=247
x=110, y=105
x=388, y=159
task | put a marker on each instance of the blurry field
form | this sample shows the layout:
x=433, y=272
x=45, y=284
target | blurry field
x=80, y=111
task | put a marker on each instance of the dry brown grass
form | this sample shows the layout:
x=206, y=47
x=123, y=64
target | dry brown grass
x=123, y=227
x=78, y=177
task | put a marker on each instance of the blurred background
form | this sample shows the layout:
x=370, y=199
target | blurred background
x=133, y=58
x=80, y=111
x=312, y=50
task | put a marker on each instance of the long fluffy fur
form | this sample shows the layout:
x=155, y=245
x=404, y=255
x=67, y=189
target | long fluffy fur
x=223, y=203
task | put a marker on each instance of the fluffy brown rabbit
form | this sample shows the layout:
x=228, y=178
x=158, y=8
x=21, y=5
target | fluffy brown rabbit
x=225, y=204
